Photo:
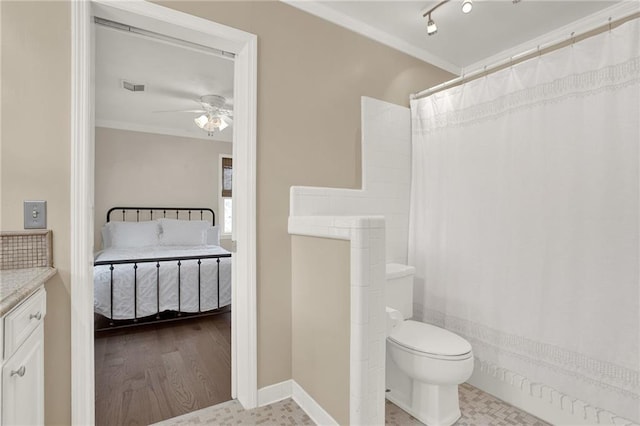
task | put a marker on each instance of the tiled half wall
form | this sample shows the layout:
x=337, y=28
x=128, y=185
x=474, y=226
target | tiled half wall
x=375, y=219
x=386, y=178
x=367, y=319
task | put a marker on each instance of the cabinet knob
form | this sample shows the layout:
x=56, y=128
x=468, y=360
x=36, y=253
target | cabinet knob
x=37, y=316
x=19, y=372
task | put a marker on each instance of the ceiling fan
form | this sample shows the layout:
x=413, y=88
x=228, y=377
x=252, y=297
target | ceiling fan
x=215, y=115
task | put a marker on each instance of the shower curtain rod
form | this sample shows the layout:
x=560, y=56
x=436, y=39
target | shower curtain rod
x=521, y=57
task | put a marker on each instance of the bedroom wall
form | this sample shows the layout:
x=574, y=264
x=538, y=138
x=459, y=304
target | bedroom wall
x=321, y=318
x=145, y=169
x=35, y=162
x=311, y=76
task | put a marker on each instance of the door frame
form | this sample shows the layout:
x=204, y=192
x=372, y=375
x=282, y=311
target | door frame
x=163, y=20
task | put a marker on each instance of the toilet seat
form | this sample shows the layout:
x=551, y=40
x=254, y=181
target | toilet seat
x=430, y=341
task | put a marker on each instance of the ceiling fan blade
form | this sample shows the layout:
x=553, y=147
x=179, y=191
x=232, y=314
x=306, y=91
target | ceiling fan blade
x=223, y=112
x=185, y=110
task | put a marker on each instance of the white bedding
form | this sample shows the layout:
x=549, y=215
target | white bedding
x=123, y=278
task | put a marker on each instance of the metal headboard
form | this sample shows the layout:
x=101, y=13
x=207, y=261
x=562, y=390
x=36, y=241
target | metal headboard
x=164, y=212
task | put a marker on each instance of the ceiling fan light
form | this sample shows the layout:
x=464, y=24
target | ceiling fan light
x=201, y=121
x=432, y=28
x=211, y=123
x=221, y=123
x=467, y=6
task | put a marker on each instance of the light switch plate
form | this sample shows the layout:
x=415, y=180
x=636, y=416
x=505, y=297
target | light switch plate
x=35, y=214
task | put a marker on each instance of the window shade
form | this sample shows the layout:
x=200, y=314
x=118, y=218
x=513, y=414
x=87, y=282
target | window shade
x=227, y=176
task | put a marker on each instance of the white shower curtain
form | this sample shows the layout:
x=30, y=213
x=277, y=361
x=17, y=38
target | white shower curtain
x=524, y=223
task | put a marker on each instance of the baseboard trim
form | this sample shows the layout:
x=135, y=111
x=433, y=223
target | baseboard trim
x=290, y=389
x=274, y=393
x=538, y=399
x=311, y=407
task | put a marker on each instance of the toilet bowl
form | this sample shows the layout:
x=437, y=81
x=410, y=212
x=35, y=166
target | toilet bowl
x=425, y=364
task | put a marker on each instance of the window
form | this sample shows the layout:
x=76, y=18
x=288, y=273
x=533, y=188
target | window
x=225, y=220
x=227, y=211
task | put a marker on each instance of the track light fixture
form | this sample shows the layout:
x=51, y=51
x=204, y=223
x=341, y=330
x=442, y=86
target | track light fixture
x=432, y=28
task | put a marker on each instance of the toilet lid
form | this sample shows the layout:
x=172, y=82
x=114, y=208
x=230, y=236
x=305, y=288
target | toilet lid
x=429, y=339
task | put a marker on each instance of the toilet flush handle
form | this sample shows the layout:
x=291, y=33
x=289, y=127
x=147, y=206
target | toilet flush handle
x=394, y=318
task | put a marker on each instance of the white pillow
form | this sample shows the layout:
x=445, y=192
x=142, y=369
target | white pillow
x=183, y=232
x=106, y=235
x=133, y=234
x=213, y=236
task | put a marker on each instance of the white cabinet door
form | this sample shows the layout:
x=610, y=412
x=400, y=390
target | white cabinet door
x=23, y=383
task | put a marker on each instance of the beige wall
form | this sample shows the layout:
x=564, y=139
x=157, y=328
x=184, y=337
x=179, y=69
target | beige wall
x=145, y=169
x=36, y=83
x=320, y=294
x=311, y=75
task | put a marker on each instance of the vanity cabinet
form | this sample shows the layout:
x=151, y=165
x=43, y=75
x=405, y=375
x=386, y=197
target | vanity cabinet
x=22, y=392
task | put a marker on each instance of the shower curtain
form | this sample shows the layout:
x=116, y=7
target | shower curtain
x=524, y=221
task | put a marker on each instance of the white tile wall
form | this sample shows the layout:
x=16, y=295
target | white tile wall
x=386, y=178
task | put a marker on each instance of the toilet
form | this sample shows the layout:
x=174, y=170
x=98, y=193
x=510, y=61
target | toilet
x=425, y=364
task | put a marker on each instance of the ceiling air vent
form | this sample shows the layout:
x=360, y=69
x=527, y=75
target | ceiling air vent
x=133, y=87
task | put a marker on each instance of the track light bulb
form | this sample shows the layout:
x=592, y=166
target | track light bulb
x=432, y=28
x=467, y=5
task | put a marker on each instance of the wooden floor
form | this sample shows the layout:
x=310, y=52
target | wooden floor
x=155, y=372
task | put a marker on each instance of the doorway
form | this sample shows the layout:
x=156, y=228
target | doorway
x=179, y=25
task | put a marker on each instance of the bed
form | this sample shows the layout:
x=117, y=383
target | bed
x=160, y=264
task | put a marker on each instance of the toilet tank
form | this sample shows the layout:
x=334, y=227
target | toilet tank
x=399, y=288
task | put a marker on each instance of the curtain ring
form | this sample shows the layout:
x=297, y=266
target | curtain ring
x=573, y=39
x=609, y=23
x=539, y=52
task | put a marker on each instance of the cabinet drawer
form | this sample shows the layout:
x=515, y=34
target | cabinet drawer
x=23, y=383
x=22, y=320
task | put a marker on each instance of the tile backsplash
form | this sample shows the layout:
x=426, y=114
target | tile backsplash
x=25, y=249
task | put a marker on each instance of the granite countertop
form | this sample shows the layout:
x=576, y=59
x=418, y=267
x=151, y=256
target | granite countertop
x=18, y=284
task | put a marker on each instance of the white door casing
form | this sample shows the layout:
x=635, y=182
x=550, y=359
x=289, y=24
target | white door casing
x=180, y=25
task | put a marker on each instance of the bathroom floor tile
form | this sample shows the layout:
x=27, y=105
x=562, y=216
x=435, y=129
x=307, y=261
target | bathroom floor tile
x=285, y=412
x=478, y=409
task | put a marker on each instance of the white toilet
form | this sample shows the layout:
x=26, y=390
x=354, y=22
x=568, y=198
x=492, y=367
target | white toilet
x=425, y=364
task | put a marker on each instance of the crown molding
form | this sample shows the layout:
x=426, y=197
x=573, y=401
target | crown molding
x=366, y=30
